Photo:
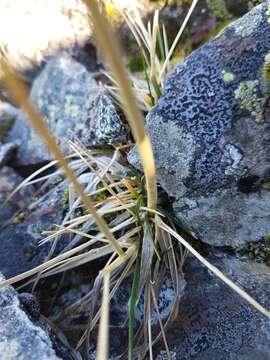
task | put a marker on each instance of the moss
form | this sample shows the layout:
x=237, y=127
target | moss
x=227, y=76
x=218, y=9
x=247, y=94
x=258, y=251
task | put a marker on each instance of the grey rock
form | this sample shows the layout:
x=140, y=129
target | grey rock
x=103, y=124
x=19, y=240
x=9, y=180
x=211, y=135
x=71, y=103
x=6, y=151
x=20, y=338
x=214, y=322
x=8, y=114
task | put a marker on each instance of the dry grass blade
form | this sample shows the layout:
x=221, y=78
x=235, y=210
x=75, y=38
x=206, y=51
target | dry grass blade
x=102, y=346
x=160, y=324
x=113, y=55
x=216, y=271
x=20, y=94
x=180, y=32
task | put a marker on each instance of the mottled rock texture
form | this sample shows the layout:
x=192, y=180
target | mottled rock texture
x=20, y=338
x=211, y=135
x=72, y=104
x=214, y=323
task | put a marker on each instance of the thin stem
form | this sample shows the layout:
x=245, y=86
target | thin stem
x=110, y=49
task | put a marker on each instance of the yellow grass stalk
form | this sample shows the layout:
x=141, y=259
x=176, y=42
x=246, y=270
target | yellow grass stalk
x=102, y=346
x=112, y=53
x=20, y=94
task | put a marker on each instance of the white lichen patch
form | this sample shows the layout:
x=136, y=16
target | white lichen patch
x=227, y=76
x=71, y=109
x=247, y=94
x=235, y=156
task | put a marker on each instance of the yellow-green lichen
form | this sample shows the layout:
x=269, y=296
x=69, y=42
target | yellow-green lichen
x=218, y=9
x=228, y=76
x=266, y=67
x=268, y=14
x=247, y=95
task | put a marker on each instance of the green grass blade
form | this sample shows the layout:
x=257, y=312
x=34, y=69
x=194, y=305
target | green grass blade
x=151, y=237
x=133, y=300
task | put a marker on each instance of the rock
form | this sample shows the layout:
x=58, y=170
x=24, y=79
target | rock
x=6, y=151
x=20, y=338
x=71, y=102
x=43, y=27
x=103, y=124
x=19, y=241
x=211, y=135
x=8, y=114
x=214, y=322
x=9, y=180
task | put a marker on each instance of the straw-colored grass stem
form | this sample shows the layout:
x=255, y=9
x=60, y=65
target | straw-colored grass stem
x=112, y=53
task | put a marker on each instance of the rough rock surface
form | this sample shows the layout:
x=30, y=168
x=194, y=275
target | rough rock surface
x=6, y=151
x=214, y=322
x=21, y=339
x=9, y=179
x=19, y=240
x=71, y=102
x=211, y=135
x=8, y=114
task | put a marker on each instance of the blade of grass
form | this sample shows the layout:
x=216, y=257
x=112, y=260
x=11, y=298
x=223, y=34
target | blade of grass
x=160, y=323
x=216, y=271
x=133, y=301
x=103, y=333
x=180, y=32
x=104, y=36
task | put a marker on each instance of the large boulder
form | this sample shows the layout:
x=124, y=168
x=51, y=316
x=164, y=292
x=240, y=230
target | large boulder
x=214, y=322
x=211, y=135
x=72, y=104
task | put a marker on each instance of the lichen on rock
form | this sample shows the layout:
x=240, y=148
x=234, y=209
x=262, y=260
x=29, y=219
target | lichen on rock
x=218, y=97
x=247, y=94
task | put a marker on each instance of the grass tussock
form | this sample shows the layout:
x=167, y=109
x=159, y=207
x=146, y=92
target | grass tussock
x=112, y=212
